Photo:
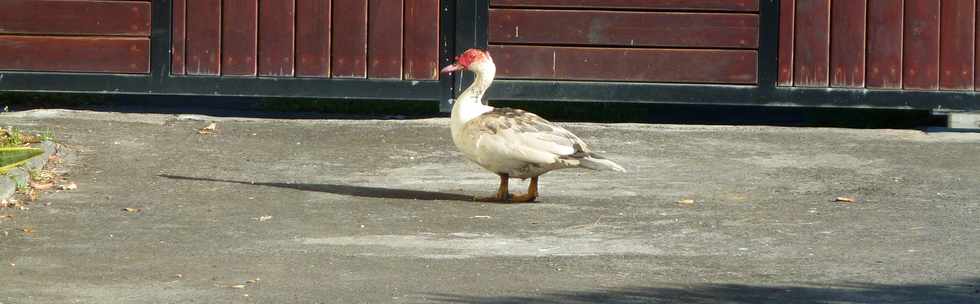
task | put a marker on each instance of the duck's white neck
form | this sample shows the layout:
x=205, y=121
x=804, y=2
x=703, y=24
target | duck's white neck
x=469, y=104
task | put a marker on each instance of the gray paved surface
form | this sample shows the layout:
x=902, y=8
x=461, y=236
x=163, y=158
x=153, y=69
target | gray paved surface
x=369, y=211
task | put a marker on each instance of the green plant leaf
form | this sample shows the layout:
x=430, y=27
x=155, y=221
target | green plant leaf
x=11, y=157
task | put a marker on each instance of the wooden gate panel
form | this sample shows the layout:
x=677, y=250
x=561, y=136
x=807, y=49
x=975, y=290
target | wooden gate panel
x=611, y=28
x=649, y=65
x=350, y=24
x=957, y=30
x=313, y=38
x=75, y=17
x=921, y=45
x=812, y=54
x=376, y=39
x=239, y=37
x=276, y=37
x=847, y=54
x=179, y=36
x=75, y=54
x=421, y=39
x=204, y=37
x=75, y=36
x=787, y=37
x=885, y=40
x=679, y=41
x=385, y=38
x=700, y=5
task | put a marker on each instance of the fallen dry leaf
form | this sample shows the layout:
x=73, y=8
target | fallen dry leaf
x=32, y=194
x=210, y=129
x=686, y=202
x=41, y=186
x=844, y=199
x=253, y=281
x=12, y=203
x=132, y=210
x=27, y=230
x=70, y=186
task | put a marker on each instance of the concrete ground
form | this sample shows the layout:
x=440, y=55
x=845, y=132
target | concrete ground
x=378, y=211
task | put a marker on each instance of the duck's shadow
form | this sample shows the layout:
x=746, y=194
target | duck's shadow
x=359, y=191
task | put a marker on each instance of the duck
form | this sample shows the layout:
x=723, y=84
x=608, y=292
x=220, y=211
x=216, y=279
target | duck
x=512, y=143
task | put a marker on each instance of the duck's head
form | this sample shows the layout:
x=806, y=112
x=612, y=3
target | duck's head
x=472, y=59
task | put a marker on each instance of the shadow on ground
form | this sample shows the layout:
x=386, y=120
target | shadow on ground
x=349, y=190
x=967, y=291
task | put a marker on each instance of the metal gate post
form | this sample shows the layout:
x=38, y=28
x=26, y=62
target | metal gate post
x=471, y=23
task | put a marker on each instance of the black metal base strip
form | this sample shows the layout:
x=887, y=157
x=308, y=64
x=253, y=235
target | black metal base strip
x=224, y=86
x=581, y=91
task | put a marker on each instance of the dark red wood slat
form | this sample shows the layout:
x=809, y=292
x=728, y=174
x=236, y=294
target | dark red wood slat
x=313, y=38
x=349, y=39
x=885, y=42
x=976, y=55
x=422, y=39
x=787, y=39
x=276, y=46
x=179, y=37
x=812, y=51
x=203, y=37
x=921, y=55
x=957, y=29
x=239, y=37
x=706, y=5
x=708, y=30
x=58, y=17
x=385, y=38
x=847, y=54
x=75, y=54
x=617, y=64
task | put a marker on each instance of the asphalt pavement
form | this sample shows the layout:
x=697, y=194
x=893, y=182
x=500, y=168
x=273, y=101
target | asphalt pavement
x=380, y=211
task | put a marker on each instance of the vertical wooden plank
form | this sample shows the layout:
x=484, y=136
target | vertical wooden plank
x=885, y=41
x=787, y=27
x=921, y=53
x=178, y=38
x=349, y=38
x=276, y=37
x=239, y=37
x=385, y=38
x=313, y=38
x=847, y=54
x=422, y=39
x=956, y=49
x=976, y=54
x=812, y=58
x=203, y=37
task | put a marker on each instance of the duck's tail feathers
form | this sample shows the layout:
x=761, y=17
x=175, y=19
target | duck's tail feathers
x=597, y=162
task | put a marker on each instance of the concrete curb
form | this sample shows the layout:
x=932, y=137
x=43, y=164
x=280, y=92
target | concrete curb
x=20, y=175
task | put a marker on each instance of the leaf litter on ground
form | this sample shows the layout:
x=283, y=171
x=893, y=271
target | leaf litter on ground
x=210, y=129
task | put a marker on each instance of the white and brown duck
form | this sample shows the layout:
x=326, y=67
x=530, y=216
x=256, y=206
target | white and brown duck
x=512, y=143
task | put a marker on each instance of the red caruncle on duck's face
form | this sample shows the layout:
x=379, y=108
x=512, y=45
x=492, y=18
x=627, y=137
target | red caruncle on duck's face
x=471, y=56
x=466, y=59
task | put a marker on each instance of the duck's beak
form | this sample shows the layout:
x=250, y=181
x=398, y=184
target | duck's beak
x=451, y=68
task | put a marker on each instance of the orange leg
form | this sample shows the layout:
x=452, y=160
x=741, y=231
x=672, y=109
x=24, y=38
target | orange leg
x=502, y=193
x=532, y=193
